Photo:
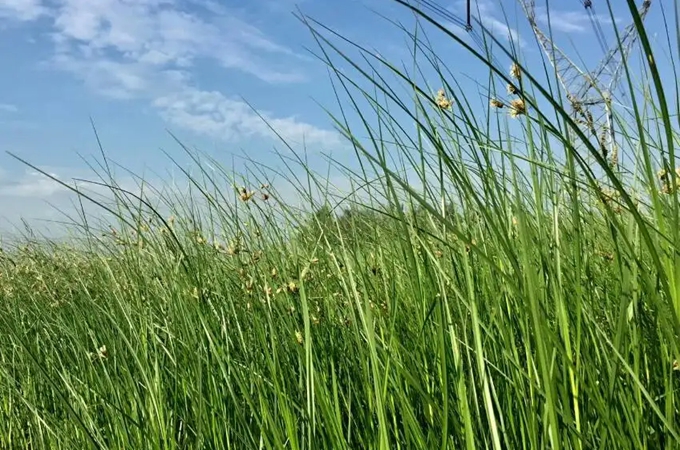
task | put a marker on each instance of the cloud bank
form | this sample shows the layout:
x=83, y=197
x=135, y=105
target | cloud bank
x=149, y=50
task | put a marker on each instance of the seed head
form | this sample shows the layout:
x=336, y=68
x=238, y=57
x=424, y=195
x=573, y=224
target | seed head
x=512, y=90
x=517, y=107
x=298, y=337
x=292, y=287
x=246, y=195
x=102, y=353
x=667, y=186
x=515, y=71
x=614, y=159
x=442, y=101
x=249, y=285
x=496, y=103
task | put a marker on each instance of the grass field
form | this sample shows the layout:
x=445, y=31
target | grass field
x=520, y=290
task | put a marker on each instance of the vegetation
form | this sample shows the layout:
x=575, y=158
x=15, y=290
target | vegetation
x=494, y=287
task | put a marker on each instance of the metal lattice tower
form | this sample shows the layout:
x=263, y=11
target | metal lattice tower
x=590, y=93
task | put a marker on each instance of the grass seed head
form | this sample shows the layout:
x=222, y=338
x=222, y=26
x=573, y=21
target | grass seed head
x=442, y=101
x=515, y=71
x=245, y=194
x=102, y=353
x=292, y=287
x=497, y=103
x=517, y=107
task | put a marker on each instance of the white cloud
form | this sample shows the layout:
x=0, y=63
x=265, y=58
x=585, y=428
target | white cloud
x=213, y=114
x=159, y=33
x=493, y=20
x=31, y=197
x=31, y=184
x=8, y=108
x=500, y=28
x=147, y=49
x=570, y=21
x=22, y=10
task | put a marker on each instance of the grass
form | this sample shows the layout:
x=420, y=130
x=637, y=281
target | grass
x=510, y=292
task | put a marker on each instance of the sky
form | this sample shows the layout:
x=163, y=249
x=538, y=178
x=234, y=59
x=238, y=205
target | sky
x=140, y=69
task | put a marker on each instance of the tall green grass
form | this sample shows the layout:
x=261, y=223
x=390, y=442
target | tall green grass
x=491, y=288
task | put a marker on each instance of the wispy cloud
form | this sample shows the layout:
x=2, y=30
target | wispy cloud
x=573, y=21
x=8, y=108
x=30, y=184
x=215, y=115
x=158, y=33
x=21, y=10
x=29, y=197
x=502, y=29
x=489, y=15
x=148, y=50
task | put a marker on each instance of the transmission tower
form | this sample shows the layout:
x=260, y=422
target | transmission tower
x=590, y=93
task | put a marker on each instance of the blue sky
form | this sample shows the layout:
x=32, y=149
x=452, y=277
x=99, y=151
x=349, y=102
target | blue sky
x=141, y=67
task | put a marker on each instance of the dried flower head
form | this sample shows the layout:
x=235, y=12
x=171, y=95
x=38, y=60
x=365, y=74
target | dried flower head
x=518, y=107
x=662, y=174
x=102, y=353
x=292, y=287
x=497, y=103
x=614, y=159
x=250, y=284
x=667, y=186
x=515, y=71
x=512, y=90
x=246, y=195
x=442, y=101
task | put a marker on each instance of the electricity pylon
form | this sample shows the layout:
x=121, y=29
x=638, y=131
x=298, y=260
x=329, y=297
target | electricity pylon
x=590, y=91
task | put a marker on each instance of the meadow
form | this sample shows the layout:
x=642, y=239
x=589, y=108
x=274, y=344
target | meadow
x=497, y=282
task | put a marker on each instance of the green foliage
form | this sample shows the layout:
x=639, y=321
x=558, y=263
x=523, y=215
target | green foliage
x=502, y=300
